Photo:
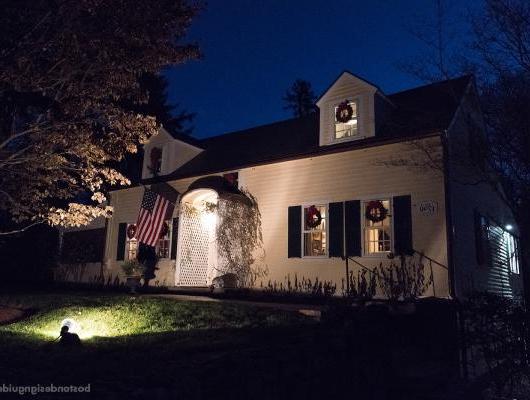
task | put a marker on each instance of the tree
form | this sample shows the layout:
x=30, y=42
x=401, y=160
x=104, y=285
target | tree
x=300, y=99
x=67, y=70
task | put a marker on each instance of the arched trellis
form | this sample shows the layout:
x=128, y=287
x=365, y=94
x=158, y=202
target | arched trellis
x=197, y=254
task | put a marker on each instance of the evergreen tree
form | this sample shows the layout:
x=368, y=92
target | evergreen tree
x=300, y=99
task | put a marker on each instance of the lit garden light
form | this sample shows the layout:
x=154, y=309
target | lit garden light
x=508, y=227
x=68, y=335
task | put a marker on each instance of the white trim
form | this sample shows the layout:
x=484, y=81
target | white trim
x=359, y=135
x=302, y=230
x=380, y=254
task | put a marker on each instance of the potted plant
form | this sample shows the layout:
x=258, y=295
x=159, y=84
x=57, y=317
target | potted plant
x=133, y=270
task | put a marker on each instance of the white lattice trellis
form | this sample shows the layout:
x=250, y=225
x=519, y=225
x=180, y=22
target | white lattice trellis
x=197, y=250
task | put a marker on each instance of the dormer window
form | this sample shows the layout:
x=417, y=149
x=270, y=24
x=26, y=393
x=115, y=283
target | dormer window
x=155, y=161
x=346, y=120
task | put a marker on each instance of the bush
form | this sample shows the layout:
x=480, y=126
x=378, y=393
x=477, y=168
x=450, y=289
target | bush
x=132, y=268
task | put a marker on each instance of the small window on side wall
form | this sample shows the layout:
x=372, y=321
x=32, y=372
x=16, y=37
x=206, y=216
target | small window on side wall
x=164, y=242
x=131, y=244
x=314, y=234
x=377, y=227
x=346, y=120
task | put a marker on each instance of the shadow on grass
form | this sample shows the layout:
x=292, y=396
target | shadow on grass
x=303, y=361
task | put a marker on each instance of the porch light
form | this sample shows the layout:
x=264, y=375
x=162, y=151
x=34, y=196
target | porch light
x=508, y=227
x=208, y=219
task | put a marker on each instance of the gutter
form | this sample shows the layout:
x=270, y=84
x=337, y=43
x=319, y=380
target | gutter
x=449, y=228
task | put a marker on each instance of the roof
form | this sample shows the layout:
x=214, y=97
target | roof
x=416, y=112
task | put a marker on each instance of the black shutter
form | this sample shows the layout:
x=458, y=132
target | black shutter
x=336, y=230
x=120, y=251
x=402, y=225
x=174, y=238
x=352, y=218
x=294, y=232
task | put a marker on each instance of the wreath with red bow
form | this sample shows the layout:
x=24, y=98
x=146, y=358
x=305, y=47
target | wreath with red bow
x=131, y=231
x=344, y=112
x=313, y=218
x=376, y=211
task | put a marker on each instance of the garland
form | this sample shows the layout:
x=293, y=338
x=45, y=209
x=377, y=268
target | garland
x=344, y=112
x=376, y=211
x=313, y=218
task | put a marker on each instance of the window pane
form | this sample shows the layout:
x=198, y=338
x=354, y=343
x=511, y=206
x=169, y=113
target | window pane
x=314, y=237
x=377, y=235
x=349, y=128
x=307, y=217
x=314, y=244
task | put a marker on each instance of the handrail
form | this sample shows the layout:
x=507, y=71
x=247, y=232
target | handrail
x=430, y=259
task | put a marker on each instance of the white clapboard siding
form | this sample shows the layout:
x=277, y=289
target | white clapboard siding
x=328, y=178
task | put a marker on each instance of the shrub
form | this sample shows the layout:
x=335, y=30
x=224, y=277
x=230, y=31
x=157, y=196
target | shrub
x=132, y=268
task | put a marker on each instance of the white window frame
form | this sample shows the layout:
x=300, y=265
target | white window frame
x=334, y=123
x=304, y=231
x=379, y=254
x=169, y=223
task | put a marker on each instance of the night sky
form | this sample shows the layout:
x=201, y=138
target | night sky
x=254, y=49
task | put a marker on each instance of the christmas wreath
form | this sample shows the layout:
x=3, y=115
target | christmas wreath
x=155, y=160
x=131, y=231
x=344, y=112
x=313, y=218
x=376, y=211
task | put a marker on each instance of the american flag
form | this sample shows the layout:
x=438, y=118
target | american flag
x=152, y=214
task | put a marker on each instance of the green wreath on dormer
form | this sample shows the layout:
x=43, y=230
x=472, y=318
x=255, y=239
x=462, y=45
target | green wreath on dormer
x=344, y=112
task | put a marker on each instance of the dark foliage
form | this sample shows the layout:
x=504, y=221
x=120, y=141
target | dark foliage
x=300, y=99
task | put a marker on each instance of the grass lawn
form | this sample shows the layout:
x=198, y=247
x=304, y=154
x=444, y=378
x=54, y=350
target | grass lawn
x=136, y=347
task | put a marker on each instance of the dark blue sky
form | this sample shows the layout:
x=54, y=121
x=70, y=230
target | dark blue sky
x=254, y=49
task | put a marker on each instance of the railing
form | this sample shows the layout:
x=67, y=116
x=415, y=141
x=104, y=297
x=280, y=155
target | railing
x=373, y=272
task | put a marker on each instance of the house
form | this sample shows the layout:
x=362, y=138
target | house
x=367, y=176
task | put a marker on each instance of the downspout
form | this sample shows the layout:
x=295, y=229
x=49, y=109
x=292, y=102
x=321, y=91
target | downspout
x=449, y=228
x=460, y=325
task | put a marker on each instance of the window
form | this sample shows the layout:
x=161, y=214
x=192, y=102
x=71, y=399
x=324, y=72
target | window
x=314, y=232
x=164, y=243
x=131, y=244
x=377, y=235
x=232, y=178
x=349, y=128
x=512, y=252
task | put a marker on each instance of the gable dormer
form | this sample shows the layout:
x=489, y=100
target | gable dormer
x=164, y=154
x=347, y=110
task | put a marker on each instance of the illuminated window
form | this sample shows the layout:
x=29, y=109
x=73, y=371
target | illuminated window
x=377, y=235
x=164, y=243
x=512, y=252
x=314, y=232
x=349, y=128
x=131, y=245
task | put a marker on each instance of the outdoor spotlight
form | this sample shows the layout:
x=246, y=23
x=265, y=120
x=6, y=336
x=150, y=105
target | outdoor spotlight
x=68, y=335
x=72, y=326
x=508, y=227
